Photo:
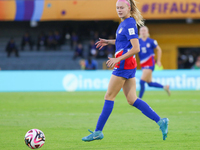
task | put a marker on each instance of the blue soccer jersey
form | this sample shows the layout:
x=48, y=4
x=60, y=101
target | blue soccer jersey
x=146, y=53
x=127, y=30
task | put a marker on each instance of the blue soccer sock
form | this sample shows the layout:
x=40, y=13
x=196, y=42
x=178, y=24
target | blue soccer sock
x=154, y=84
x=142, y=88
x=107, y=109
x=146, y=110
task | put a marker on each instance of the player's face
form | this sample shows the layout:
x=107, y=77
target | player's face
x=144, y=32
x=123, y=10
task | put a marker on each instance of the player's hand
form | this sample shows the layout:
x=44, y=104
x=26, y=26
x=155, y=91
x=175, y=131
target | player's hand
x=101, y=43
x=111, y=62
x=159, y=63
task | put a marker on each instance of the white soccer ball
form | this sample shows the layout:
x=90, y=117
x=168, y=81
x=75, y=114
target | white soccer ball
x=34, y=138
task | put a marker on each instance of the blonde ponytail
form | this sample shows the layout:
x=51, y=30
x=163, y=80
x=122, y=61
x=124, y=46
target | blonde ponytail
x=135, y=13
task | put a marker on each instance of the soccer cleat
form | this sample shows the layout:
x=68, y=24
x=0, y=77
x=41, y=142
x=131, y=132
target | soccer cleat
x=96, y=135
x=163, y=123
x=166, y=88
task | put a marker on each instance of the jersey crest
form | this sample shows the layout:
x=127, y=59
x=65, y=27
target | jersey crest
x=148, y=45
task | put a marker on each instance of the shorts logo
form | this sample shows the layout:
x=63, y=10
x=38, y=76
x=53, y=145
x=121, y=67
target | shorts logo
x=120, y=30
x=114, y=69
x=131, y=31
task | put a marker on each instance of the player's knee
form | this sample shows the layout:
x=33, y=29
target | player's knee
x=130, y=102
x=109, y=96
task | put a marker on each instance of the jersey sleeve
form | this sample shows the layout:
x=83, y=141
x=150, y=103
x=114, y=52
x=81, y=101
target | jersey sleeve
x=131, y=31
x=154, y=44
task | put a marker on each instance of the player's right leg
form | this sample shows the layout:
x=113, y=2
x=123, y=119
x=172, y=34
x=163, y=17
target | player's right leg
x=114, y=86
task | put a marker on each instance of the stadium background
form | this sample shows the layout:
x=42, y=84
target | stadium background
x=174, y=24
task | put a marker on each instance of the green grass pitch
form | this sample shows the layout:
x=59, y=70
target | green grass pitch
x=64, y=117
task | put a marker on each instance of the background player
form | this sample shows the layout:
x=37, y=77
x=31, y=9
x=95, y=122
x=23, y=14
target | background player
x=123, y=75
x=147, y=61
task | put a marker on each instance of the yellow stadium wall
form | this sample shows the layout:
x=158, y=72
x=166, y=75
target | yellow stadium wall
x=50, y=10
x=170, y=37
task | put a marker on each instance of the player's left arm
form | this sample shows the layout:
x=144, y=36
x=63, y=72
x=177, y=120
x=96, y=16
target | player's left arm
x=159, y=55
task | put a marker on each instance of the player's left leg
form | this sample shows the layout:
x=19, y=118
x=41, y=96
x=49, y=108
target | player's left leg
x=129, y=89
x=114, y=86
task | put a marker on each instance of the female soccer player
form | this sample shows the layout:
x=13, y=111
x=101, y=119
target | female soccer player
x=147, y=62
x=123, y=76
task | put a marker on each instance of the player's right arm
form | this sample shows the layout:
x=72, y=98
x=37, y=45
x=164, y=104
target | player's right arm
x=103, y=42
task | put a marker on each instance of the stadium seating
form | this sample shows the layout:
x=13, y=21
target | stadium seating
x=42, y=60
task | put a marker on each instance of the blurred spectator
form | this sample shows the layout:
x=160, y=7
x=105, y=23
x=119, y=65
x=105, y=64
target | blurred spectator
x=104, y=35
x=74, y=40
x=41, y=41
x=197, y=63
x=58, y=40
x=67, y=35
x=11, y=47
x=26, y=39
x=96, y=36
x=82, y=64
x=187, y=58
x=110, y=48
x=92, y=49
x=181, y=60
x=50, y=41
x=90, y=64
x=91, y=31
x=102, y=53
x=78, y=51
x=110, y=51
x=190, y=60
